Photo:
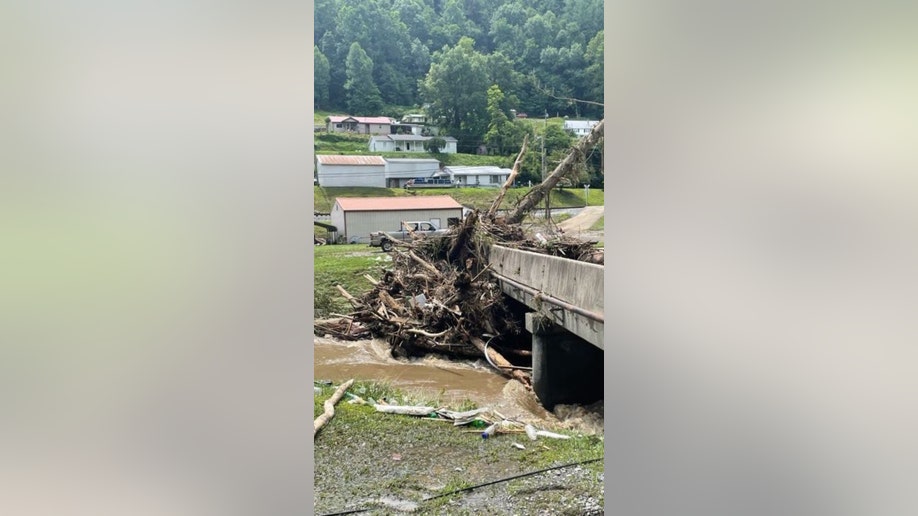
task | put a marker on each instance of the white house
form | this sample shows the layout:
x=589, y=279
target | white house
x=486, y=176
x=400, y=170
x=337, y=170
x=580, y=127
x=356, y=217
x=359, y=124
x=407, y=143
x=414, y=118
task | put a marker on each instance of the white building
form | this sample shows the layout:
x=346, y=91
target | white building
x=358, y=124
x=485, y=176
x=356, y=217
x=580, y=127
x=338, y=170
x=400, y=170
x=414, y=118
x=407, y=143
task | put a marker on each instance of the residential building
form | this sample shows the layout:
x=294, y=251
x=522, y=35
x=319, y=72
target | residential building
x=485, y=176
x=359, y=124
x=580, y=127
x=408, y=143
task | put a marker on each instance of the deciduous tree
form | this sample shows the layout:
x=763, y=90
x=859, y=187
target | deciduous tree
x=361, y=92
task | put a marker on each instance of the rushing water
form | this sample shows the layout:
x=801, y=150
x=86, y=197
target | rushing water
x=451, y=381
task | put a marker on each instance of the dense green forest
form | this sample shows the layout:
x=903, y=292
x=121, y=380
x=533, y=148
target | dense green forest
x=471, y=63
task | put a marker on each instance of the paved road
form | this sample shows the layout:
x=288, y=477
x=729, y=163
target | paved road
x=583, y=220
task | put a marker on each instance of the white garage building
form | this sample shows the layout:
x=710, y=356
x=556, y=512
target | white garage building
x=338, y=170
x=357, y=217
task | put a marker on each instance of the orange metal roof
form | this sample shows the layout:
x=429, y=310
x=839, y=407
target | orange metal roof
x=337, y=159
x=420, y=202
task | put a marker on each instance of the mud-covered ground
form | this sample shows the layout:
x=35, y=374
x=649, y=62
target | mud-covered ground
x=389, y=464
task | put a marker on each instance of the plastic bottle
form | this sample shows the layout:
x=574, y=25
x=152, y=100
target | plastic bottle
x=488, y=432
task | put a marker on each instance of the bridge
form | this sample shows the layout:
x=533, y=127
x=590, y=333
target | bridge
x=566, y=322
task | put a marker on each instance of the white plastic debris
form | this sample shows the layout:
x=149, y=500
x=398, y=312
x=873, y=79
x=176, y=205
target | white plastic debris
x=518, y=445
x=531, y=432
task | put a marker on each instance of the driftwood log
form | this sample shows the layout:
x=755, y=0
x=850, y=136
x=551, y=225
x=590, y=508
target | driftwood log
x=329, y=407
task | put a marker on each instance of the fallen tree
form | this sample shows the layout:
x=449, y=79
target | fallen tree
x=564, y=169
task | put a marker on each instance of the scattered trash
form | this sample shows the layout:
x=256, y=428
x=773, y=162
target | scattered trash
x=396, y=456
x=354, y=399
x=531, y=432
x=316, y=390
x=518, y=445
x=464, y=418
x=488, y=432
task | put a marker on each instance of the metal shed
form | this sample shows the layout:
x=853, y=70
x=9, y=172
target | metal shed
x=357, y=217
x=338, y=170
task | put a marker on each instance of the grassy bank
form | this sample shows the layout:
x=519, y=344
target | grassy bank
x=362, y=456
x=479, y=198
x=343, y=265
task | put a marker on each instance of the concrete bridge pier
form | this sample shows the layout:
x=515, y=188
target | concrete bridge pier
x=565, y=368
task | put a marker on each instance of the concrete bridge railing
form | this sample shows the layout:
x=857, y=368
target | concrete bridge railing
x=566, y=323
x=568, y=292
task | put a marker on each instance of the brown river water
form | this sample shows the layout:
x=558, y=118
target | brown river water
x=450, y=381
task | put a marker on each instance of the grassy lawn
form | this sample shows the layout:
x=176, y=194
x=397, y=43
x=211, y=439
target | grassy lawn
x=355, y=457
x=599, y=225
x=343, y=265
x=479, y=198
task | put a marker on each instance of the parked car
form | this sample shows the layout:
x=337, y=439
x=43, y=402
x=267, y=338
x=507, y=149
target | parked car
x=408, y=230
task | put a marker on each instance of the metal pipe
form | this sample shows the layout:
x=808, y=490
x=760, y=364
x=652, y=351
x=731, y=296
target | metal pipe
x=553, y=300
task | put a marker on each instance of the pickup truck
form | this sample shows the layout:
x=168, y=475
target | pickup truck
x=422, y=229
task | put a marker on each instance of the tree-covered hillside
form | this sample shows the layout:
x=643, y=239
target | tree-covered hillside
x=472, y=64
x=531, y=49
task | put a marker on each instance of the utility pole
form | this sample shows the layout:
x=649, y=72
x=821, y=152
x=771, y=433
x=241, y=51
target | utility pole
x=542, y=177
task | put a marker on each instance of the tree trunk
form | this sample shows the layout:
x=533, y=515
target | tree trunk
x=492, y=211
x=532, y=199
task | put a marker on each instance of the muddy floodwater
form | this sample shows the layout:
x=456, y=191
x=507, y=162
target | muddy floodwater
x=451, y=381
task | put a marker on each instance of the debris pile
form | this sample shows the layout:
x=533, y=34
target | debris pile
x=438, y=295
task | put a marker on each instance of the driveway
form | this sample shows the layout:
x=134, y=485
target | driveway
x=583, y=220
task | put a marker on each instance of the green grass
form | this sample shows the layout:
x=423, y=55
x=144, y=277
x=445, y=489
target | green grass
x=599, y=225
x=480, y=198
x=343, y=265
x=365, y=421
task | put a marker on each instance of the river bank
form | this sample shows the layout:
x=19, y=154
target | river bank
x=389, y=464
